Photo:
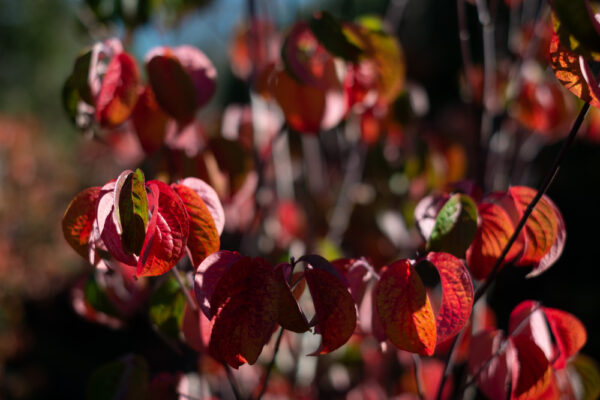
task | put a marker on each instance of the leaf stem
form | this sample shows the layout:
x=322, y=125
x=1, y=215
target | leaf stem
x=552, y=172
x=271, y=365
x=232, y=381
x=417, y=362
x=186, y=292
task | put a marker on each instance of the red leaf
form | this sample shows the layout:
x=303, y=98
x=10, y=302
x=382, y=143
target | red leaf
x=107, y=225
x=573, y=72
x=306, y=108
x=172, y=85
x=78, y=220
x=405, y=310
x=200, y=69
x=527, y=319
x=183, y=79
x=167, y=234
x=290, y=315
x=557, y=247
x=208, y=275
x=248, y=313
x=494, y=231
x=149, y=121
x=357, y=273
x=196, y=328
x=457, y=294
x=535, y=372
x=210, y=198
x=493, y=363
x=334, y=306
x=569, y=333
x=119, y=91
x=541, y=229
x=203, y=238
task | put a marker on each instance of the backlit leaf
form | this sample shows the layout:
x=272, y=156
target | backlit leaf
x=457, y=294
x=569, y=333
x=573, y=72
x=404, y=309
x=541, y=228
x=493, y=362
x=527, y=319
x=534, y=373
x=210, y=198
x=455, y=226
x=208, y=275
x=78, y=220
x=119, y=91
x=247, y=313
x=494, y=230
x=203, y=238
x=167, y=234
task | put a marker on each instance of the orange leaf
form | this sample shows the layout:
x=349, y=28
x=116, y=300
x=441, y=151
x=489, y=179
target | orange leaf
x=457, y=294
x=119, y=91
x=404, y=308
x=535, y=372
x=573, y=72
x=569, y=333
x=541, y=228
x=494, y=231
x=203, y=238
x=78, y=221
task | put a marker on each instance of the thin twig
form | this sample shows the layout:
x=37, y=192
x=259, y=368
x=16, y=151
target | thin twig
x=465, y=47
x=552, y=172
x=541, y=191
x=449, y=363
x=278, y=341
x=188, y=297
x=417, y=362
x=232, y=381
x=271, y=365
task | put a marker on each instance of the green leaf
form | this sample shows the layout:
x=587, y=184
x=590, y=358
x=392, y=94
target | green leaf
x=132, y=209
x=166, y=308
x=575, y=25
x=76, y=87
x=330, y=33
x=455, y=226
x=97, y=298
x=125, y=379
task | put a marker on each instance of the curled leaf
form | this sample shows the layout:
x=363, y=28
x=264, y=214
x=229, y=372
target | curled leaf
x=457, y=294
x=455, y=226
x=119, y=91
x=203, y=238
x=404, y=309
x=78, y=220
x=167, y=234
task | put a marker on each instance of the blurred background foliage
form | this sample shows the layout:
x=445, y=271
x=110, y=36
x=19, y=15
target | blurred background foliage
x=46, y=350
